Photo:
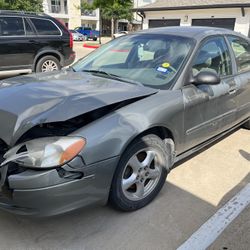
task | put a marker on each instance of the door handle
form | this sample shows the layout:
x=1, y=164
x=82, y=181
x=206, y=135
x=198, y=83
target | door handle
x=34, y=42
x=232, y=91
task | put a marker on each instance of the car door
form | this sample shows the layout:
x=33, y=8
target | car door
x=32, y=42
x=241, y=50
x=209, y=109
x=13, y=43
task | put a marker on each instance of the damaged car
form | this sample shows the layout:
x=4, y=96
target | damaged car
x=111, y=127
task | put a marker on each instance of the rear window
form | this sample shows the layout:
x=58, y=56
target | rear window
x=45, y=27
x=11, y=26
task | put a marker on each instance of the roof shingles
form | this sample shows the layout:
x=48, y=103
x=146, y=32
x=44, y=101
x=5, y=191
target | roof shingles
x=193, y=3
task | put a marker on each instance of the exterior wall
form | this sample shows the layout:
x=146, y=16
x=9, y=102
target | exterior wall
x=186, y=16
x=74, y=14
x=71, y=14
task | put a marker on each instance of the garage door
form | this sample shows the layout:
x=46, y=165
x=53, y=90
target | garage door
x=164, y=23
x=227, y=23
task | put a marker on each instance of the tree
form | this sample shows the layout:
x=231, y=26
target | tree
x=112, y=10
x=25, y=5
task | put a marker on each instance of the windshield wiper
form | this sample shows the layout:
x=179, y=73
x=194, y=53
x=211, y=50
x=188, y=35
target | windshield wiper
x=112, y=76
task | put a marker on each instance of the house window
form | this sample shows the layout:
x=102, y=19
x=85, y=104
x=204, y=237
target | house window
x=55, y=6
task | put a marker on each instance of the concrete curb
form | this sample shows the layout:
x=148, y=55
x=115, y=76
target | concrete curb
x=85, y=45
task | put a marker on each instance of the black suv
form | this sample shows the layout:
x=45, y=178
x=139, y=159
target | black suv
x=33, y=41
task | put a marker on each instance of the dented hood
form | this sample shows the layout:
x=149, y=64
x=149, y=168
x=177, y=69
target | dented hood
x=52, y=97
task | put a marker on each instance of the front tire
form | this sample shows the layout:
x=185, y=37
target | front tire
x=47, y=64
x=140, y=175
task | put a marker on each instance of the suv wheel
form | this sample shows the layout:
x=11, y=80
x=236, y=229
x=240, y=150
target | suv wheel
x=140, y=174
x=47, y=64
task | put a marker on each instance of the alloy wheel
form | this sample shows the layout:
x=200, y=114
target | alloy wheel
x=141, y=174
x=49, y=65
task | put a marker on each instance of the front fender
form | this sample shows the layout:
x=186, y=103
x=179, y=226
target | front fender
x=109, y=136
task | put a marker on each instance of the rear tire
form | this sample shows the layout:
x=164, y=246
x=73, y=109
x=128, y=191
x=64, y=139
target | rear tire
x=47, y=64
x=247, y=125
x=140, y=174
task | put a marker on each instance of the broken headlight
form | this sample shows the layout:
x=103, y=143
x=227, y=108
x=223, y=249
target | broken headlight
x=47, y=152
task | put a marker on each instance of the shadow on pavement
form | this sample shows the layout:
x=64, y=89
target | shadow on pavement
x=236, y=235
x=165, y=224
x=245, y=154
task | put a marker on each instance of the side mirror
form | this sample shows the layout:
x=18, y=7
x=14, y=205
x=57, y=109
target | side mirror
x=206, y=78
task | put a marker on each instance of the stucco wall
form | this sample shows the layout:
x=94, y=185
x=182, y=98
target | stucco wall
x=73, y=16
x=74, y=13
x=186, y=16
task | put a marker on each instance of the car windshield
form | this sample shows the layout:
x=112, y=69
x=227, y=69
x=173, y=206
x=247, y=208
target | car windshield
x=153, y=61
x=72, y=31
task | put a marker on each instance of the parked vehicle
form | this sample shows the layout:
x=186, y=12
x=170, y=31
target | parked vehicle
x=111, y=127
x=77, y=36
x=33, y=41
x=88, y=33
x=121, y=33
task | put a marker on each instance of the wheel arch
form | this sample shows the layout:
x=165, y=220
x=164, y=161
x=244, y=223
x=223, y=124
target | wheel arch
x=42, y=54
x=161, y=131
x=164, y=133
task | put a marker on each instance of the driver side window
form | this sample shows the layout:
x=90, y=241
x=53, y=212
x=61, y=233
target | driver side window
x=241, y=50
x=213, y=56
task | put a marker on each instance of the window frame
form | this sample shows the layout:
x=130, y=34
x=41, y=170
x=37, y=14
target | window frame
x=202, y=43
x=31, y=26
x=237, y=72
x=39, y=35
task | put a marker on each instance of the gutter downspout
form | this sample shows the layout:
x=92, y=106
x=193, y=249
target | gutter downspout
x=142, y=16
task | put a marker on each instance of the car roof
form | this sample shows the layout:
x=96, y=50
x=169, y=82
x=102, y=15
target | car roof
x=196, y=32
x=24, y=14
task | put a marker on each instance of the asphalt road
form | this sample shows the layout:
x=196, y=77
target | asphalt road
x=194, y=191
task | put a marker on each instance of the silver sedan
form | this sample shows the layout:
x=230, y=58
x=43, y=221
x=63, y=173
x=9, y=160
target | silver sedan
x=77, y=36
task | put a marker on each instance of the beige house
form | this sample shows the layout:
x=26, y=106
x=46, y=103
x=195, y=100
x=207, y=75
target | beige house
x=231, y=14
x=70, y=13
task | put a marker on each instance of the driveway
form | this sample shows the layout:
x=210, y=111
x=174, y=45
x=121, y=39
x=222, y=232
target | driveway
x=193, y=192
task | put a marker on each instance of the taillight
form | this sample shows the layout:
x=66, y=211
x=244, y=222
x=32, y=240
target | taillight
x=70, y=40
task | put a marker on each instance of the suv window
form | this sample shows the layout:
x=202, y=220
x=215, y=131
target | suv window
x=11, y=26
x=241, y=50
x=213, y=56
x=45, y=27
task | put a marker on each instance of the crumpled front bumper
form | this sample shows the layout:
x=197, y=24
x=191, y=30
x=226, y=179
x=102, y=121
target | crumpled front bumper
x=53, y=192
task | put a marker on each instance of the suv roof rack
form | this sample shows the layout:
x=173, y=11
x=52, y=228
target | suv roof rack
x=22, y=12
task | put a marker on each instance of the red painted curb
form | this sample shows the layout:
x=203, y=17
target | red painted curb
x=85, y=45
